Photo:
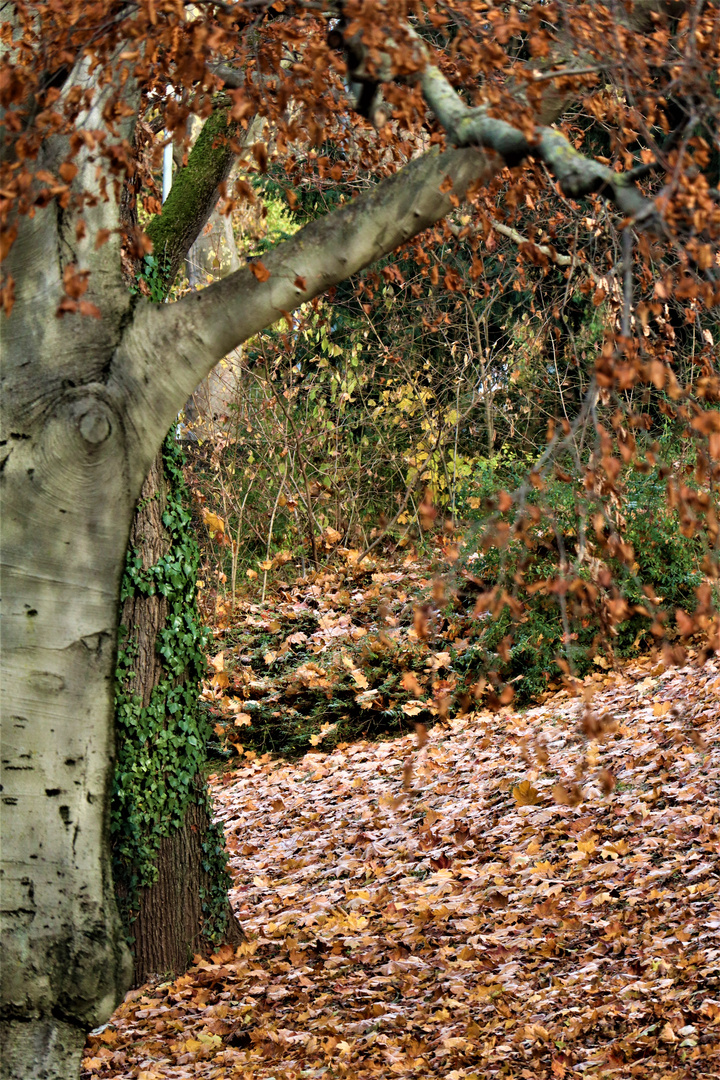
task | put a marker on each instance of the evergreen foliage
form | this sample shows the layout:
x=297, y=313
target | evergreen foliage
x=161, y=748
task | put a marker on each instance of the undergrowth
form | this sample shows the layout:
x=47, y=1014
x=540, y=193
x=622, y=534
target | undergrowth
x=368, y=649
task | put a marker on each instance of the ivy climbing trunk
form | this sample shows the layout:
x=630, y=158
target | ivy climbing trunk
x=169, y=857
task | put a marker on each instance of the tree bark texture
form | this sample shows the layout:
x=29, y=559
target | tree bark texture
x=169, y=924
x=144, y=614
x=169, y=870
x=167, y=918
x=68, y=484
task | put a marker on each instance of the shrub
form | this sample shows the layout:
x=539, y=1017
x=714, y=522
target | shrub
x=577, y=583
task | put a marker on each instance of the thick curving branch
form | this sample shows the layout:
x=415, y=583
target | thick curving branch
x=167, y=349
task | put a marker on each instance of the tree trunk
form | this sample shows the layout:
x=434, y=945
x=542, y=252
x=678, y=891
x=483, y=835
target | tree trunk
x=170, y=920
x=169, y=859
x=66, y=485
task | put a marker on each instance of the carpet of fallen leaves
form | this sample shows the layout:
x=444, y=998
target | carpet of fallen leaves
x=365, y=648
x=508, y=895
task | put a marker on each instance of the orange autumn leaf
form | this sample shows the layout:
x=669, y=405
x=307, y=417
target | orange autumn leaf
x=259, y=270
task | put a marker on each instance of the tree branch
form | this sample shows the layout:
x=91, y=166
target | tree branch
x=193, y=194
x=231, y=77
x=573, y=261
x=167, y=349
x=576, y=174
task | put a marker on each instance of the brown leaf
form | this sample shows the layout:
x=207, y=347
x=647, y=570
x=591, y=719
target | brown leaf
x=259, y=270
x=68, y=171
x=606, y=781
x=409, y=682
x=427, y=511
x=75, y=281
x=525, y=794
x=567, y=796
x=260, y=152
x=541, y=753
x=7, y=295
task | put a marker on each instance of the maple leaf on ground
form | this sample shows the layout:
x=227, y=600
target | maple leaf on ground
x=525, y=794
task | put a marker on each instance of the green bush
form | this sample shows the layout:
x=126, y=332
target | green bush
x=616, y=590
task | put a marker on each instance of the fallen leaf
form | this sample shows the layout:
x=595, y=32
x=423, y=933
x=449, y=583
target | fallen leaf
x=525, y=794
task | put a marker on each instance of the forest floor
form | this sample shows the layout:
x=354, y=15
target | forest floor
x=509, y=894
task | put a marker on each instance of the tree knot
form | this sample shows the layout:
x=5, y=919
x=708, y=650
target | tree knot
x=94, y=422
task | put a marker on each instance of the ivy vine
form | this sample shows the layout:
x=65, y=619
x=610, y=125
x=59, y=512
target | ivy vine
x=161, y=747
x=154, y=275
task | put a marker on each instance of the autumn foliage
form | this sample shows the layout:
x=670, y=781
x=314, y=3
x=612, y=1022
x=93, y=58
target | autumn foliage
x=532, y=190
x=522, y=895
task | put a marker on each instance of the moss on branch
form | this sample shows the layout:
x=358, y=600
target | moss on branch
x=193, y=194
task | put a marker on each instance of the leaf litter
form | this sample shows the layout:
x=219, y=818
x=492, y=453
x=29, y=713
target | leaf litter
x=506, y=895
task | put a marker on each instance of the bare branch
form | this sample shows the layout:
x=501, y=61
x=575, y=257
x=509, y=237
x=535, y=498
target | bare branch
x=565, y=73
x=576, y=174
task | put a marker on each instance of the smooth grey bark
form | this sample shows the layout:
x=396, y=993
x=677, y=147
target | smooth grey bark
x=577, y=175
x=66, y=497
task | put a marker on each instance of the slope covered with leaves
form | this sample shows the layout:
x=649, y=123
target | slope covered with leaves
x=511, y=894
x=364, y=647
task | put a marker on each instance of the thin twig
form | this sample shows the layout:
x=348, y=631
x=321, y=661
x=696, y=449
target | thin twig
x=627, y=251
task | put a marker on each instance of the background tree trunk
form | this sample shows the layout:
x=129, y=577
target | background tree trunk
x=169, y=858
x=170, y=922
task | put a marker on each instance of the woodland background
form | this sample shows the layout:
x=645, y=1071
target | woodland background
x=477, y=478
x=353, y=481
